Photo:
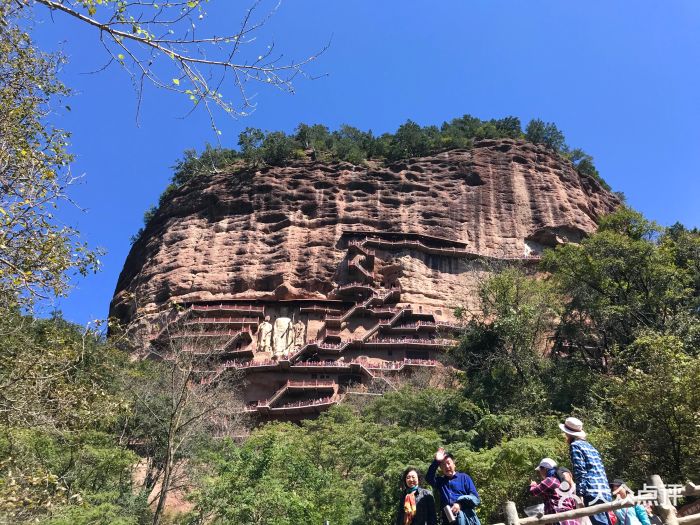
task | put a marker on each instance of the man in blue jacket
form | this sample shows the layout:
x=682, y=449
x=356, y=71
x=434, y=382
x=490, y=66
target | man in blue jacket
x=457, y=490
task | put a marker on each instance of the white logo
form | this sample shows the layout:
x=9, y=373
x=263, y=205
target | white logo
x=566, y=491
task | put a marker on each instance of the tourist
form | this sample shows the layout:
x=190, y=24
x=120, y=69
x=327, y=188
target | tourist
x=589, y=472
x=636, y=515
x=552, y=490
x=568, y=486
x=417, y=506
x=653, y=518
x=458, y=495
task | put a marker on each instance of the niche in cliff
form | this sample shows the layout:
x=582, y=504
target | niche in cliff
x=551, y=236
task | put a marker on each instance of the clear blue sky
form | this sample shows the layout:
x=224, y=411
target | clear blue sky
x=621, y=79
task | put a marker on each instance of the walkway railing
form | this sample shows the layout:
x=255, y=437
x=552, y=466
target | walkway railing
x=659, y=495
x=416, y=242
x=210, y=333
x=222, y=320
x=228, y=307
x=356, y=264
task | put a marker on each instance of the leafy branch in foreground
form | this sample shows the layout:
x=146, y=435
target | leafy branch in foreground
x=162, y=43
x=36, y=252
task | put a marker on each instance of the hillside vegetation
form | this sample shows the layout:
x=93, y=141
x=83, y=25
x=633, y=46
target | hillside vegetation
x=623, y=307
x=611, y=334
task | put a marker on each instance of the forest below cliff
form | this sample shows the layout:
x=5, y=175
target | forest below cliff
x=620, y=315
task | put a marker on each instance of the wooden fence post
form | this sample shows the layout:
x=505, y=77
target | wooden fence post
x=663, y=508
x=511, y=512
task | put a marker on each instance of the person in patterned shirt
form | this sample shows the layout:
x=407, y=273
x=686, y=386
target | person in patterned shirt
x=589, y=472
x=550, y=490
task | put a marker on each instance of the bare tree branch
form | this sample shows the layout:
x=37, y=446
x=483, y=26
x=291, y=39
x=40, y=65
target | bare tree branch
x=156, y=41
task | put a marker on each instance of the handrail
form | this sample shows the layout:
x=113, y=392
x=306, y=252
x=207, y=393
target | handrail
x=223, y=320
x=222, y=306
x=353, y=263
x=389, y=322
x=211, y=333
x=298, y=384
x=310, y=384
x=451, y=251
x=328, y=400
x=394, y=365
x=374, y=238
x=659, y=494
x=364, y=304
x=379, y=233
x=409, y=341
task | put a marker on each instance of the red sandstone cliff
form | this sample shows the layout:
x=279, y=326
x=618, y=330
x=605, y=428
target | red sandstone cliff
x=276, y=233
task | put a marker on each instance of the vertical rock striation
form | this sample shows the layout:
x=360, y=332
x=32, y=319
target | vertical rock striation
x=410, y=236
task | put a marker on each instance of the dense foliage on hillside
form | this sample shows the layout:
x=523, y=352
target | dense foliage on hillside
x=635, y=389
x=350, y=144
x=87, y=435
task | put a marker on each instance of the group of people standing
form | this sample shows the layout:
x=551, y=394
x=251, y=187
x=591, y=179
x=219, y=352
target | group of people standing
x=456, y=489
x=560, y=488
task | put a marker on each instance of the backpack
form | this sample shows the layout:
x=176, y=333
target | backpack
x=560, y=473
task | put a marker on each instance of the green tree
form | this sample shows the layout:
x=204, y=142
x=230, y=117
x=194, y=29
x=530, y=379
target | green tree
x=448, y=412
x=59, y=403
x=619, y=282
x=352, y=145
x=503, y=345
x=547, y=133
x=37, y=254
x=250, y=141
x=508, y=127
x=211, y=160
x=410, y=140
x=459, y=132
x=583, y=163
x=487, y=130
x=317, y=137
x=277, y=148
x=654, y=409
x=275, y=477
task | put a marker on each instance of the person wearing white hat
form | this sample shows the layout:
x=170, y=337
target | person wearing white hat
x=589, y=472
x=549, y=489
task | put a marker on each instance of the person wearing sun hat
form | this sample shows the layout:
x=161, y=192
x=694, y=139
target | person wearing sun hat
x=589, y=472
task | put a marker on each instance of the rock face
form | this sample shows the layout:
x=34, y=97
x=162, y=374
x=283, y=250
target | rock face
x=311, y=241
